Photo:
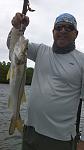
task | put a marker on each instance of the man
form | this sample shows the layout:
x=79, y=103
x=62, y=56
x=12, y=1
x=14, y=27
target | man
x=57, y=84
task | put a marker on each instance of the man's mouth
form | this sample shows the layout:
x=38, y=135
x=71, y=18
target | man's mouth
x=62, y=38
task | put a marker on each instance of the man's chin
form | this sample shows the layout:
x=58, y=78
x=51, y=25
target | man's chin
x=62, y=44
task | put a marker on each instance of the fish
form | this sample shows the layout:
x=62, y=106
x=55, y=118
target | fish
x=17, y=78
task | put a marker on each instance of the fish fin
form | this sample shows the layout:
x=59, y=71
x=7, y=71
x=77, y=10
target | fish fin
x=12, y=125
x=8, y=75
x=19, y=125
x=10, y=103
x=23, y=99
x=16, y=123
x=10, y=72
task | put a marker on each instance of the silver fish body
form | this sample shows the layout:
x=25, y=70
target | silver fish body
x=17, y=83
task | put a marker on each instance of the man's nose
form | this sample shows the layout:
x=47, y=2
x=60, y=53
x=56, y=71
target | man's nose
x=63, y=29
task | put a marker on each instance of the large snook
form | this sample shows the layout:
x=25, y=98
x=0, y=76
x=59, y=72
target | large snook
x=17, y=83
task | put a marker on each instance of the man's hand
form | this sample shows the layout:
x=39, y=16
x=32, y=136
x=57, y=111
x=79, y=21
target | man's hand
x=80, y=145
x=19, y=19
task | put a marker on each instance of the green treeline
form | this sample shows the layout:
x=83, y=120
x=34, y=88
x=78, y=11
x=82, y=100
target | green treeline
x=4, y=67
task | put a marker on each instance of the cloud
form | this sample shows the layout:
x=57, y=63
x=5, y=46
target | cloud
x=41, y=21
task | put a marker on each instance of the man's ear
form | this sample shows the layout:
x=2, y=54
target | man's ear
x=75, y=33
x=53, y=31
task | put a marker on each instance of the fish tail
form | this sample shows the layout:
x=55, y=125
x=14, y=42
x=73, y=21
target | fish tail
x=16, y=123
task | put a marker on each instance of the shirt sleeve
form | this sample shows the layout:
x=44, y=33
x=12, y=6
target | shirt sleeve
x=32, y=52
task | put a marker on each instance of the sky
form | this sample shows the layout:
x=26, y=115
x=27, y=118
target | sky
x=41, y=21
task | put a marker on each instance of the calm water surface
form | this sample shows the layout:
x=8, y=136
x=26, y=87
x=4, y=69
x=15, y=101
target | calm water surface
x=13, y=142
x=8, y=142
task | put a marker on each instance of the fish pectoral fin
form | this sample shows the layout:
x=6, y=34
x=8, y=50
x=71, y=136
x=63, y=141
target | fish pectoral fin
x=8, y=75
x=16, y=124
x=23, y=99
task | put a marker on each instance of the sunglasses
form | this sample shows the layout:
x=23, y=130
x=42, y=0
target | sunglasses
x=67, y=28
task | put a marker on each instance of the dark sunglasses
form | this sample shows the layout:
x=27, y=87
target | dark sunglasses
x=67, y=28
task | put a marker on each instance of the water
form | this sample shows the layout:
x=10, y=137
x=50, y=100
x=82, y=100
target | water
x=8, y=142
x=13, y=142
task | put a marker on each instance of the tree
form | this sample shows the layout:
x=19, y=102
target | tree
x=4, y=67
x=29, y=74
x=3, y=71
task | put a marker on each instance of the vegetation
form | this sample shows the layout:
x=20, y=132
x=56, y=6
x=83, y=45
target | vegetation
x=4, y=67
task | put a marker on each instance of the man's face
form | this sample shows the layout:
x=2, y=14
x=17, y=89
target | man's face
x=64, y=33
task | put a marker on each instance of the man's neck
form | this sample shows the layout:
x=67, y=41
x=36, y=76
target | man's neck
x=63, y=50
